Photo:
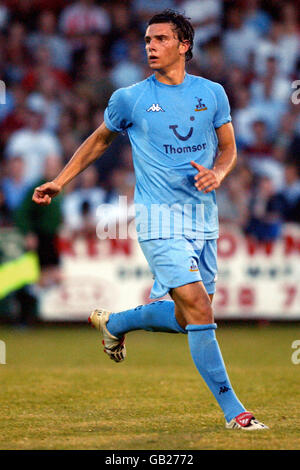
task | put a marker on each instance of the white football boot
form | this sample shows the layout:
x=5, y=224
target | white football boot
x=246, y=422
x=113, y=346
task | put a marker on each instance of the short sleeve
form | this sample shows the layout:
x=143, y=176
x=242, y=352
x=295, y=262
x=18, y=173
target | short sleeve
x=117, y=114
x=222, y=114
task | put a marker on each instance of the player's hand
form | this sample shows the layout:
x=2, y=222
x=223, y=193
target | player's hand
x=43, y=194
x=206, y=180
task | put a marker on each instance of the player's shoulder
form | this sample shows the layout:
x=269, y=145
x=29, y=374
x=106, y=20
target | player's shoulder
x=205, y=82
x=132, y=91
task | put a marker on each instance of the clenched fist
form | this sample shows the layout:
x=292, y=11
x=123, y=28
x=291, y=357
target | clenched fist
x=43, y=194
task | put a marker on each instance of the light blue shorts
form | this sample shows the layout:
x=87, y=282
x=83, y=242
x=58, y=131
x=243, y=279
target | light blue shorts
x=175, y=262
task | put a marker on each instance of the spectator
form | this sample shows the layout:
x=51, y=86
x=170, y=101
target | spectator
x=17, y=56
x=269, y=109
x=260, y=155
x=40, y=68
x=33, y=144
x=278, y=86
x=14, y=185
x=213, y=63
x=248, y=110
x=206, y=20
x=243, y=115
x=256, y=18
x=291, y=192
x=93, y=83
x=234, y=197
x=46, y=34
x=121, y=44
x=285, y=138
x=265, y=212
x=124, y=31
x=40, y=225
x=46, y=98
x=84, y=16
x=277, y=44
x=290, y=39
x=260, y=147
x=130, y=70
x=238, y=40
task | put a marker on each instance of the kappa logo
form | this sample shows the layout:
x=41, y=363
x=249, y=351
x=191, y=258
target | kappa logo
x=224, y=389
x=200, y=106
x=155, y=108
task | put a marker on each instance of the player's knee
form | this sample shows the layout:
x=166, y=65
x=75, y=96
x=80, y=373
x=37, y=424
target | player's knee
x=203, y=315
x=198, y=310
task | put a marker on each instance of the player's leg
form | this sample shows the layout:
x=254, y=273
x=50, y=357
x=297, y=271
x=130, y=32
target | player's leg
x=156, y=316
x=168, y=271
x=179, y=315
x=159, y=315
x=207, y=356
x=195, y=304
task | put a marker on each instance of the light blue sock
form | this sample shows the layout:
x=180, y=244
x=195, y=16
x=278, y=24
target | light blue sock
x=156, y=316
x=208, y=359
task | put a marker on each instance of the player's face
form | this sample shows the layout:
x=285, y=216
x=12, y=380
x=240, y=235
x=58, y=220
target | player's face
x=163, y=47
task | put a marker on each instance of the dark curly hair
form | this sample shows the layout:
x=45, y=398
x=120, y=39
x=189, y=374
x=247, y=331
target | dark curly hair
x=182, y=25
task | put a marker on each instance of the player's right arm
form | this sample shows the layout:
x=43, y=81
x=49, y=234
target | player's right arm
x=89, y=151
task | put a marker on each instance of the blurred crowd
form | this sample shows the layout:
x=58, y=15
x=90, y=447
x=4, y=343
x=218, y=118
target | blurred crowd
x=61, y=60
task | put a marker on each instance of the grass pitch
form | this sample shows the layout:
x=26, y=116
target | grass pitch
x=59, y=391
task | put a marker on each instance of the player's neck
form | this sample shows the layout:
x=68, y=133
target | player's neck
x=170, y=77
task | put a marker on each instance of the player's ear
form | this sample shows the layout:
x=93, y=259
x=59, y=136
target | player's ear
x=184, y=47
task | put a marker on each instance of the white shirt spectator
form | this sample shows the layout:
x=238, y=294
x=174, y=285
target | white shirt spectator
x=60, y=49
x=243, y=120
x=270, y=168
x=286, y=51
x=205, y=17
x=81, y=18
x=280, y=90
x=239, y=44
x=33, y=147
x=271, y=112
x=50, y=108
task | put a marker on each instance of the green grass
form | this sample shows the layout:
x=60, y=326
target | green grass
x=59, y=391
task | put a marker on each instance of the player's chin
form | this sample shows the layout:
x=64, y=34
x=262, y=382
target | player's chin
x=154, y=65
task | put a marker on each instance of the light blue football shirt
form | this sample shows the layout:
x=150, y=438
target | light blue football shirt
x=168, y=126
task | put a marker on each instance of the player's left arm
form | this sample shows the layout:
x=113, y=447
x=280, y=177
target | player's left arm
x=206, y=179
